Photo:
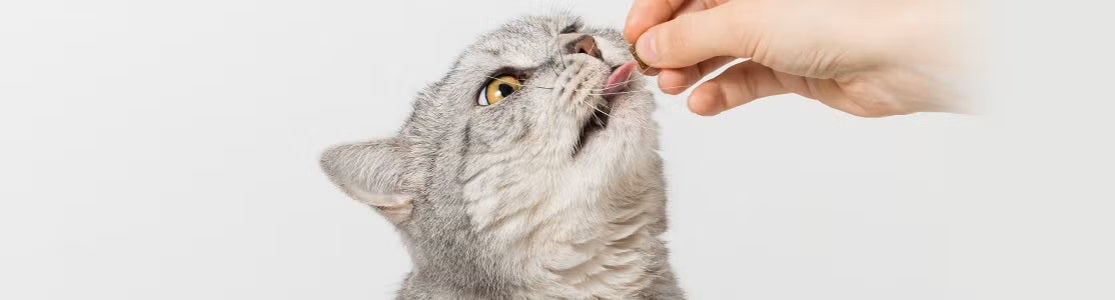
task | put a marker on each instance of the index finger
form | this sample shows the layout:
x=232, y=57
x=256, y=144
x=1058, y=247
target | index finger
x=644, y=14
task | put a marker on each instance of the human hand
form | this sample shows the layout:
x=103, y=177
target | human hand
x=868, y=58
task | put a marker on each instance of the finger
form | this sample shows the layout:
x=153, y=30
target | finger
x=747, y=81
x=695, y=6
x=646, y=13
x=675, y=81
x=738, y=85
x=701, y=35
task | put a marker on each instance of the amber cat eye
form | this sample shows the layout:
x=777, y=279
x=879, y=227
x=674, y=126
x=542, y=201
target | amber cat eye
x=498, y=89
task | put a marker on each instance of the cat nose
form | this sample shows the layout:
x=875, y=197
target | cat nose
x=586, y=45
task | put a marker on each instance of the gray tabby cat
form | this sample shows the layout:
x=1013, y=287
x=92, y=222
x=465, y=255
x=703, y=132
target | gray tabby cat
x=530, y=171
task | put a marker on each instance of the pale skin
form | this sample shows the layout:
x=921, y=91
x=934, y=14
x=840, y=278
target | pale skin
x=868, y=58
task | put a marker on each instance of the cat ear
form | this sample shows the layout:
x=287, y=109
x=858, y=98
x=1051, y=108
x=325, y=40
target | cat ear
x=371, y=173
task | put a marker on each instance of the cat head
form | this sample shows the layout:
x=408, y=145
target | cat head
x=538, y=117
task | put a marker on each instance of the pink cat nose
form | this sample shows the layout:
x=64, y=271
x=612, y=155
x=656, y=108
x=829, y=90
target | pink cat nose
x=587, y=45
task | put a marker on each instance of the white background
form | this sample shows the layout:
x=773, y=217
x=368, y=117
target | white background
x=168, y=149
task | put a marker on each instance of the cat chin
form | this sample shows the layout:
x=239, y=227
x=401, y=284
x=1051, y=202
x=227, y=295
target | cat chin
x=631, y=113
x=630, y=139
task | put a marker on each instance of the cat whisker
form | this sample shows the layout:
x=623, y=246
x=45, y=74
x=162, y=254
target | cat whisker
x=600, y=91
x=606, y=87
x=617, y=93
x=639, y=122
x=649, y=90
x=593, y=89
x=619, y=83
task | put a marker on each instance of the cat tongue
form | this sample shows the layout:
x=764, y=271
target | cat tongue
x=619, y=78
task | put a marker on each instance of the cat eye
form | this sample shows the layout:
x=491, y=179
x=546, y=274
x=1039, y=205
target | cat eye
x=498, y=89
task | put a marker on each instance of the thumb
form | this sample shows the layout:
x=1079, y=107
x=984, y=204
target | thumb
x=725, y=30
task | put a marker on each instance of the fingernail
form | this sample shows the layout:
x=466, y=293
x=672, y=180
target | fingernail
x=647, y=47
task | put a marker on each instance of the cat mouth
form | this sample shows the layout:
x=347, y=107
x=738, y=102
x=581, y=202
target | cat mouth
x=619, y=78
x=594, y=124
x=601, y=114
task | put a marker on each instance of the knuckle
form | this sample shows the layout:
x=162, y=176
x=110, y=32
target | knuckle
x=823, y=62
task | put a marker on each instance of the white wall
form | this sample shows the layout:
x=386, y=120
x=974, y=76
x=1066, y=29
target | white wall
x=167, y=150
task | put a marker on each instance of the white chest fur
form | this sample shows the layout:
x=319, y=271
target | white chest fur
x=570, y=238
